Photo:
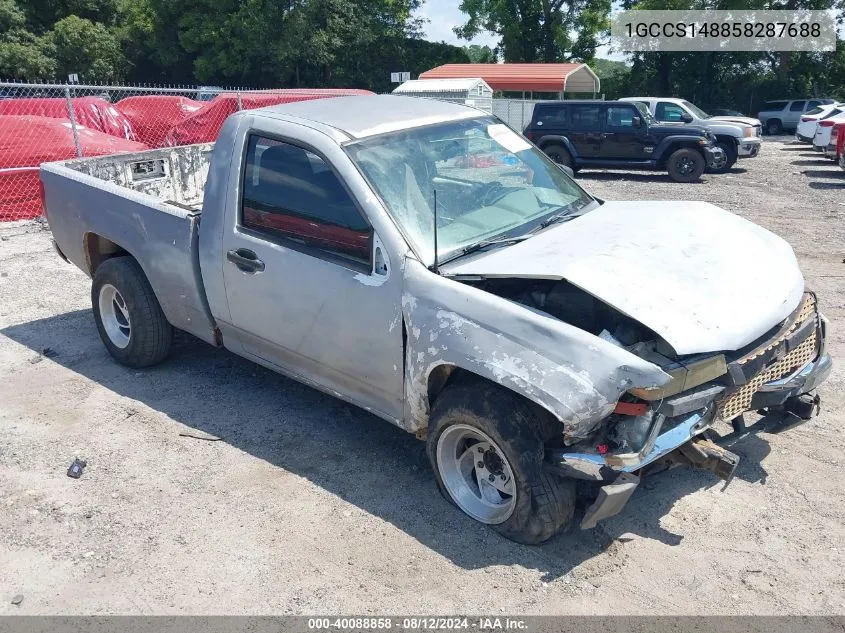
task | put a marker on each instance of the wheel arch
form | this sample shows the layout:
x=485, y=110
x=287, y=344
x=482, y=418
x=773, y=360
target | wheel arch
x=545, y=141
x=447, y=374
x=671, y=145
x=98, y=249
x=727, y=138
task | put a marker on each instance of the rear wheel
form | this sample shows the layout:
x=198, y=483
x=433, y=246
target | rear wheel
x=486, y=447
x=685, y=165
x=128, y=316
x=774, y=127
x=559, y=154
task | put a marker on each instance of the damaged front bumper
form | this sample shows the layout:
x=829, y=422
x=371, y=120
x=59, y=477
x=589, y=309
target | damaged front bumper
x=678, y=421
x=715, y=157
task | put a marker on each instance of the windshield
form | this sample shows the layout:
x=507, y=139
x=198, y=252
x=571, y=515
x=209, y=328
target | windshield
x=698, y=112
x=488, y=181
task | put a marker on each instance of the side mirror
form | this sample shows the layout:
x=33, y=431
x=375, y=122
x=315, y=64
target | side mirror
x=686, y=118
x=636, y=121
x=567, y=170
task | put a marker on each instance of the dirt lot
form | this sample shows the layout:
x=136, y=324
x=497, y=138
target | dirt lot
x=310, y=505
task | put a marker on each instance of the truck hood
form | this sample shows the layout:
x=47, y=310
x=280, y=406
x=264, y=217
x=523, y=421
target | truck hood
x=702, y=278
x=747, y=120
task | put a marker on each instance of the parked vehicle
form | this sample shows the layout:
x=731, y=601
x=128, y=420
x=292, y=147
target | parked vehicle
x=809, y=122
x=203, y=125
x=822, y=136
x=738, y=137
x=56, y=140
x=616, y=135
x=779, y=116
x=837, y=139
x=420, y=259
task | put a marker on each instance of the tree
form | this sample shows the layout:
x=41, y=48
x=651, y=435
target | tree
x=539, y=30
x=22, y=54
x=88, y=48
x=480, y=54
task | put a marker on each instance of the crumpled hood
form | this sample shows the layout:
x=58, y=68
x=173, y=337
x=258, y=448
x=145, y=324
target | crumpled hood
x=747, y=120
x=702, y=278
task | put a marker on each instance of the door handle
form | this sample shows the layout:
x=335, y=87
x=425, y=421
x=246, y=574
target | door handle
x=245, y=260
x=607, y=135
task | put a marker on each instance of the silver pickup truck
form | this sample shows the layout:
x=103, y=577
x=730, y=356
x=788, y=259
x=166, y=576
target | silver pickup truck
x=423, y=261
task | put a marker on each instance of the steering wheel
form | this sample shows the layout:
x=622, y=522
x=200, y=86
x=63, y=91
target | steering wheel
x=494, y=191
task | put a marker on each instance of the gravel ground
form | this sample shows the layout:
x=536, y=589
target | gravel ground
x=310, y=505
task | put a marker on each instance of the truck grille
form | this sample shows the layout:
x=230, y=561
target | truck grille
x=740, y=400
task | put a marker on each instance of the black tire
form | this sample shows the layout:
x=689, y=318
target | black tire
x=729, y=147
x=559, y=154
x=774, y=127
x=544, y=502
x=685, y=165
x=149, y=334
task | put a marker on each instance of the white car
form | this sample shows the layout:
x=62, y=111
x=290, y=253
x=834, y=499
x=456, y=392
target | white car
x=807, y=125
x=822, y=136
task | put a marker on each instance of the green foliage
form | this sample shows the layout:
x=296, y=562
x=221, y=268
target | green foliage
x=480, y=54
x=26, y=57
x=87, y=48
x=615, y=77
x=539, y=30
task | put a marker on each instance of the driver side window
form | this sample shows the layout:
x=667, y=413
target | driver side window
x=292, y=196
x=669, y=112
x=620, y=117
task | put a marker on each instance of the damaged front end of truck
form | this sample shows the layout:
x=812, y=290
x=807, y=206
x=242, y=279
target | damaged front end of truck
x=628, y=403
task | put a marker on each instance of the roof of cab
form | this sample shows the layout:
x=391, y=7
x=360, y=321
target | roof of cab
x=360, y=117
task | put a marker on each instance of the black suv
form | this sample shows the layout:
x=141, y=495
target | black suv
x=613, y=134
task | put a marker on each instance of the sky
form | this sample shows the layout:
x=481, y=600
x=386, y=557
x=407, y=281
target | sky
x=443, y=15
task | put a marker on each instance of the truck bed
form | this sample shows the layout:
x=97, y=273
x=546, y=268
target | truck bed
x=148, y=204
x=173, y=175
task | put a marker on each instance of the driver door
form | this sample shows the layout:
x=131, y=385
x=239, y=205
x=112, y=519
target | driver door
x=622, y=138
x=306, y=279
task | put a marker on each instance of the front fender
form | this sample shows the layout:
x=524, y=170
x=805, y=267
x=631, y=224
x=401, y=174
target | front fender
x=574, y=375
x=726, y=129
x=667, y=144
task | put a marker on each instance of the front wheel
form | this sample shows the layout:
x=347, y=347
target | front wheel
x=486, y=448
x=774, y=127
x=128, y=316
x=731, y=154
x=685, y=165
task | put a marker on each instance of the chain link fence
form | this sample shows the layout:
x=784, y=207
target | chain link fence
x=48, y=122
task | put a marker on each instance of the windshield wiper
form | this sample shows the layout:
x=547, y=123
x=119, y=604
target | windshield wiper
x=568, y=213
x=472, y=248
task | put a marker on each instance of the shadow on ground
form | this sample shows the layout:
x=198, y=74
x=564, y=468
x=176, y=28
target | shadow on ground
x=837, y=174
x=344, y=450
x=817, y=162
x=827, y=185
